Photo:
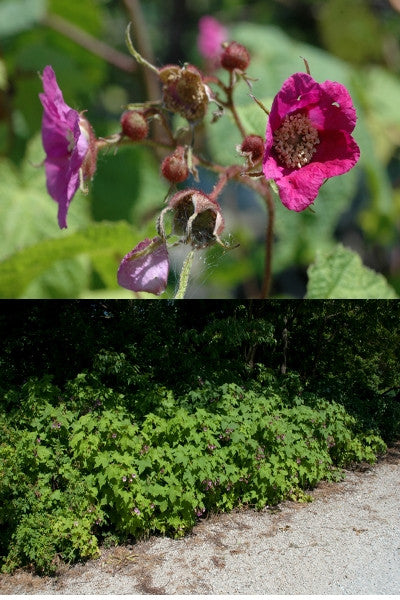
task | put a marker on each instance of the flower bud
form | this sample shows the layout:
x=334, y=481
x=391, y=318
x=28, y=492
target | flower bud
x=145, y=268
x=184, y=91
x=252, y=148
x=235, y=56
x=134, y=125
x=174, y=167
x=196, y=217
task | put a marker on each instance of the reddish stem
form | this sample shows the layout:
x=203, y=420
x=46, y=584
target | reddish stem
x=228, y=173
x=262, y=187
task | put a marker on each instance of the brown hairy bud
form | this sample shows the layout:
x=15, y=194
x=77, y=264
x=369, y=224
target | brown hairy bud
x=174, y=166
x=252, y=148
x=235, y=56
x=184, y=91
x=134, y=125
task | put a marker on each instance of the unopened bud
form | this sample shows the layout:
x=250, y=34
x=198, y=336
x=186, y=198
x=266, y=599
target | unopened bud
x=134, y=125
x=252, y=148
x=174, y=166
x=235, y=56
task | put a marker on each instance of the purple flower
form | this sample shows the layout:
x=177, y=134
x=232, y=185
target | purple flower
x=136, y=510
x=308, y=138
x=211, y=35
x=68, y=142
x=145, y=268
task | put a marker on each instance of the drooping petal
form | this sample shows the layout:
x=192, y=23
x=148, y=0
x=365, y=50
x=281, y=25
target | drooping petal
x=62, y=184
x=64, y=143
x=145, y=268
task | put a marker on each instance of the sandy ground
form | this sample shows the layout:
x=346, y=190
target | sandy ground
x=347, y=541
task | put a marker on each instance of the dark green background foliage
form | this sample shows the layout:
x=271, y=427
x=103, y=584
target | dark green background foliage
x=123, y=419
x=354, y=42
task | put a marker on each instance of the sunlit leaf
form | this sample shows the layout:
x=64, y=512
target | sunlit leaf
x=341, y=274
x=97, y=240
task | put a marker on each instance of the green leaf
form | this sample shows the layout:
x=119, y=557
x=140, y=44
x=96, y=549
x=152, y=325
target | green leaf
x=64, y=279
x=43, y=453
x=128, y=186
x=27, y=213
x=96, y=240
x=341, y=274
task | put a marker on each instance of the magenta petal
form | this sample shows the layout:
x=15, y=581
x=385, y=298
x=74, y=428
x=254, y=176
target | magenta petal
x=297, y=91
x=337, y=153
x=65, y=145
x=62, y=183
x=300, y=188
x=142, y=271
x=327, y=109
x=335, y=108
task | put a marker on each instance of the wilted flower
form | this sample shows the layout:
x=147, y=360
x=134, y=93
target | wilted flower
x=145, y=268
x=68, y=141
x=196, y=217
x=308, y=138
x=184, y=91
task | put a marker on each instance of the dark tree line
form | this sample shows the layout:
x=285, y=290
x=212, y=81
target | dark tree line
x=354, y=343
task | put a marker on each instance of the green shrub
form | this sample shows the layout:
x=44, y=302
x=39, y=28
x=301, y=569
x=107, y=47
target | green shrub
x=77, y=473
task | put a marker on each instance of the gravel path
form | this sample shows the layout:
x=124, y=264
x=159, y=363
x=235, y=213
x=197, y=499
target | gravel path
x=347, y=541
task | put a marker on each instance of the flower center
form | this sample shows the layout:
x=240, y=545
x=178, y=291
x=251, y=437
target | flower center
x=295, y=141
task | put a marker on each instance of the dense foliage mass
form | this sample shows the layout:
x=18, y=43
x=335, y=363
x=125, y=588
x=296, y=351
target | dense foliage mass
x=80, y=467
x=120, y=420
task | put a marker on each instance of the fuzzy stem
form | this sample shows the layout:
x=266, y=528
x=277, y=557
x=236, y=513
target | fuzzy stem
x=231, y=105
x=263, y=188
x=137, y=56
x=228, y=173
x=184, y=277
x=144, y=45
